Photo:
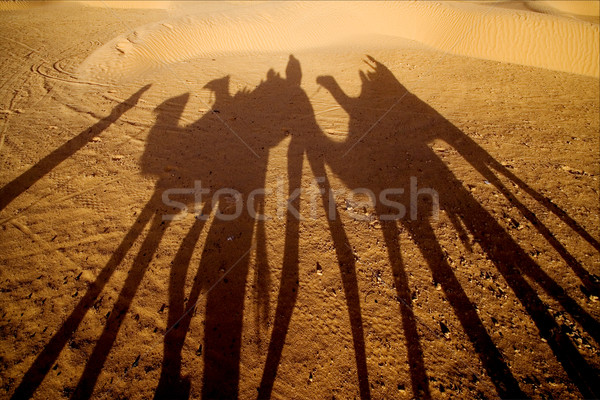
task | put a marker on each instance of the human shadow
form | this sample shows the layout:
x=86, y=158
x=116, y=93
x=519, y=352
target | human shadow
x=397, y=149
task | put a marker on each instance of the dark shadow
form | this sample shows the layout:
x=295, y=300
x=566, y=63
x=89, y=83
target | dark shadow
x=46, y=359
x=262, y=117
x=397, y=154
x=288, y=291
x=226, y=148
x=24, y=181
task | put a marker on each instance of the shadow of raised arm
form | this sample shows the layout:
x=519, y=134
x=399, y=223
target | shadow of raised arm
x=24, y=181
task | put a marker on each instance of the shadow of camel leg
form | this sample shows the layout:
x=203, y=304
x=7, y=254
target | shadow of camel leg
x=493, y=361
x=224, y=304
x=349, y=280
x=556, y=210
x=87, y=382
x=44, y=361
x=262, y=273
x=171, y=385
x=499, y=246
x=553, y=289
x=288, y=288
x=589, y=282
x=513, y=262
x=483, y=162
x=418, y=373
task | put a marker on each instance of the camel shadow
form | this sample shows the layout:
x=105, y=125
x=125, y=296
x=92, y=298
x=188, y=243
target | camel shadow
x=211, y=169
x=225, y=154
x=397, y=155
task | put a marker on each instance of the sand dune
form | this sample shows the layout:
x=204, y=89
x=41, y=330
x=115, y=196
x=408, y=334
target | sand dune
x=473, y=30
x=157, y=4
x=586, y=10
x=27, y=4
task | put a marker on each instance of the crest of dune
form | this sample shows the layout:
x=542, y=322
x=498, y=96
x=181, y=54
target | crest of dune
x=474, y=30
x=585, y=9
x=128, y=4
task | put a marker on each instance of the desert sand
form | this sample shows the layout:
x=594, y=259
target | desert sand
x=473, y=272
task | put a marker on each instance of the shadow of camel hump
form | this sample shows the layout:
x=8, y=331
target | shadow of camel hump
x=398, y=145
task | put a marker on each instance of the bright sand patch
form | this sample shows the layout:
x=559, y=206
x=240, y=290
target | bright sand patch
x=588, y=10
x=152, y=4
x=492, y=33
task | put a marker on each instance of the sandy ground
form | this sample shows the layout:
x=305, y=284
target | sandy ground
x=102, y=297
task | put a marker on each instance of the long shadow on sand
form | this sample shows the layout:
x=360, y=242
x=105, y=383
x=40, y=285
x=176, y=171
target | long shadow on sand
x=229, y=148
x=394, y=151
x=17, y=186
x=226, y=148
x=12, y=190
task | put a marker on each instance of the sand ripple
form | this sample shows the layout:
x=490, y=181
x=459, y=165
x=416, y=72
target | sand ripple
x=514, y=36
